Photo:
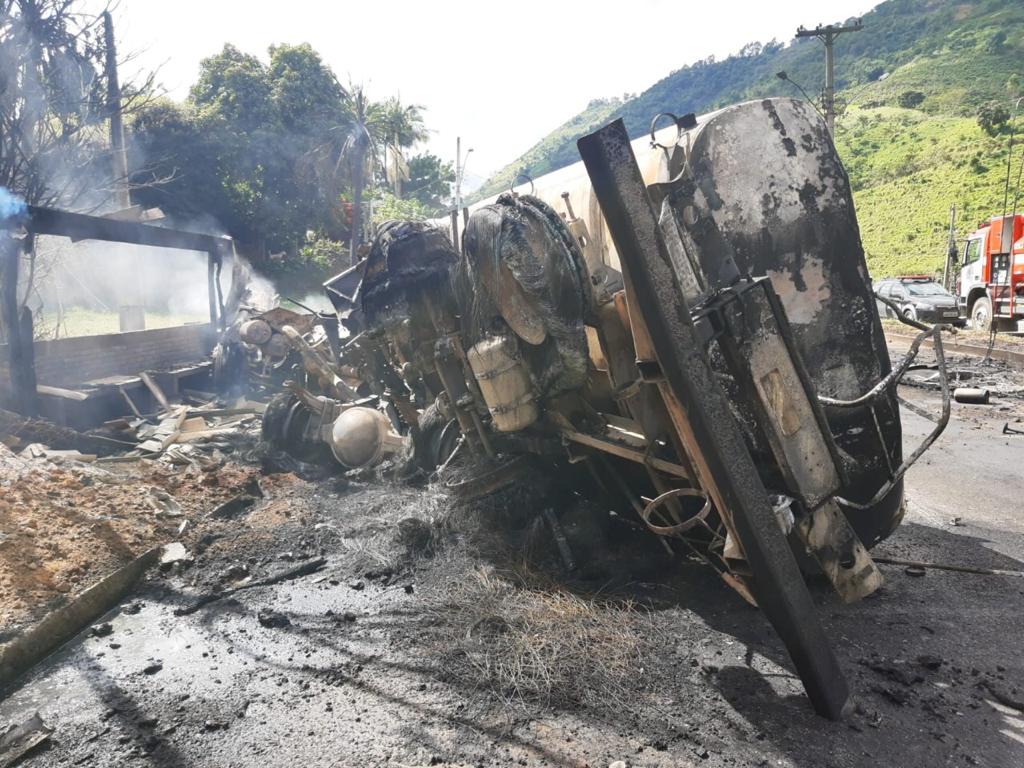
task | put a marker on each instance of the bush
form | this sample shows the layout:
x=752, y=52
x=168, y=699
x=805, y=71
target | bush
x=322, y=253
x=387, y=206
x=992, y=118
x=996, y=43
x=910, y=99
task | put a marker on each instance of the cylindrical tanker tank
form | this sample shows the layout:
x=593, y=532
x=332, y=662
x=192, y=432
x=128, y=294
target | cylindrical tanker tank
x=776, y=189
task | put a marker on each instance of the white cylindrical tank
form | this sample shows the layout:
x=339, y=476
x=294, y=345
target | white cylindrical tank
x=362, y=437
x=504, y=382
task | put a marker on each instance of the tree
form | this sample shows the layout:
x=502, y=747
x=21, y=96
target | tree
x=53, y=104
x=996, y=44
x=363, y=133
x=430, y=181
x=387, y=206
x=241, y=151
x=306, y=94
x=1013, y=86
x=235, y=86
x=910, y=99
x=992, y=117
x=403, y=128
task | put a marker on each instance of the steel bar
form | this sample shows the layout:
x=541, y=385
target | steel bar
x=778, y=584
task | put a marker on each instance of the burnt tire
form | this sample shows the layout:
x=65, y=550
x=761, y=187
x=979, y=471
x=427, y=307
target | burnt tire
x=284, y=425
x=437, y=439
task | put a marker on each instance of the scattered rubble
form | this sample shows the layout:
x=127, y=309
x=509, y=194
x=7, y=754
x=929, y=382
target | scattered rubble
x=20, y=739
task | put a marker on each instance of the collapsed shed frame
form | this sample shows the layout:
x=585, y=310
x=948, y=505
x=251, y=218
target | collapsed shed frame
x=78, y=226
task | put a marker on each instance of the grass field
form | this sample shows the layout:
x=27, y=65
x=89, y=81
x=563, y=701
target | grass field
x=79, y=321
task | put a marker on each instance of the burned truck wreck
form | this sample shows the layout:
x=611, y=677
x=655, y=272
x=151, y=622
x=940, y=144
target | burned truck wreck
x=701, y=348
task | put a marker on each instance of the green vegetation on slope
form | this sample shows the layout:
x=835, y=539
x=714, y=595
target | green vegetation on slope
x=942, y=58
x=906, y=169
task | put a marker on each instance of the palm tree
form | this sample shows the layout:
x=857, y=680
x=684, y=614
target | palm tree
x=403, y=128
x=351, y=152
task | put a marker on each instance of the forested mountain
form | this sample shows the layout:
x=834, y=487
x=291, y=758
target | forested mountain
x=926, y=91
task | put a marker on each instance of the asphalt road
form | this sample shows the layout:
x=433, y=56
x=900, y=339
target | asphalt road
x=935, y=661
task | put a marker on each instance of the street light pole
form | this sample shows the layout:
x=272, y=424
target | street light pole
x=460, y=170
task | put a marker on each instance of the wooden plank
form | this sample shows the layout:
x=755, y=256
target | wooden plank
x=176, y=423
x=62, y=624
x=131, y=403
x=194, y=424
x=155, y=390
x=195, y=437
x=67, y=394
x=73, y=455
x=202, y=411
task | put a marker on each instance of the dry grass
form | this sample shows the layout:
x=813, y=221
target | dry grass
x=525, y=645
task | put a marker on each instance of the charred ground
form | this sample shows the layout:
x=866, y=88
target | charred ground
x=445, y=633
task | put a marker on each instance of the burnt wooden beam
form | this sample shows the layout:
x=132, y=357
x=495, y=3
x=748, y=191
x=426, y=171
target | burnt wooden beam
x=80, y=226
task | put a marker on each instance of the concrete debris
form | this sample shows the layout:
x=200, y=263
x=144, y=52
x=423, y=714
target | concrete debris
x=175, y=553
x=163, y=503
x=20, y=739
x=273, y=619
x=233, y=507
x=102, y=630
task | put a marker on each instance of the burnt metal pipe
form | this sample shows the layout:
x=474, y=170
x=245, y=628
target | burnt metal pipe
x=778, y=584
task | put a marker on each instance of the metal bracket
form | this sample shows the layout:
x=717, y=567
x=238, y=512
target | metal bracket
x=832, y=542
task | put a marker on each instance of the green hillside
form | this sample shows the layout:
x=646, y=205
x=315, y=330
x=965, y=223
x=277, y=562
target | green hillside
x=912, y=83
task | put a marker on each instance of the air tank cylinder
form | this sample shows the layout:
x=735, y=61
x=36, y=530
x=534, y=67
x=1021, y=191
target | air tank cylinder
x=504, y=383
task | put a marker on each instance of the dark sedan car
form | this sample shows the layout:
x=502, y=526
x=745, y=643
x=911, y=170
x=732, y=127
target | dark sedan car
x=919, y=298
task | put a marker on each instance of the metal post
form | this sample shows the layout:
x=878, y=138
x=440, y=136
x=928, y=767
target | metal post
x=724, y=462
x=458, y=173
x=211, y=278
x=950, y=247
x=455, y=230
x=18, y=328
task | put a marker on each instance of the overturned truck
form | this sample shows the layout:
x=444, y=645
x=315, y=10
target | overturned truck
x=703, y=338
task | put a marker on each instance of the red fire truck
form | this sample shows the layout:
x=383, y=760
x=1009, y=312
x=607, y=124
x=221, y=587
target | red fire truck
x=990, y=288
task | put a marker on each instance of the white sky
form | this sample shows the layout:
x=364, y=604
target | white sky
x=499, y=74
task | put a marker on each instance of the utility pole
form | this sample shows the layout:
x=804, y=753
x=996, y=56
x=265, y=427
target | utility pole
x=458, y=173
x=118, y=153
x=828, y=35
x=132, y=311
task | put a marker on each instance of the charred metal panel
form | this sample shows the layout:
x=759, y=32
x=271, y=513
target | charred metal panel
x=780, y=590
x=408, y=258
x=770, y=177
x=759, y=358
